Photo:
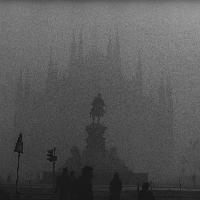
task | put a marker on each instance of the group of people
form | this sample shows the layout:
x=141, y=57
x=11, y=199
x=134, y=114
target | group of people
x=68, y=187
x=145, y=193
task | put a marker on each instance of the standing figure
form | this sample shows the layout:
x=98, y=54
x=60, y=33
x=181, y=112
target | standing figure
x=115, y=187
x=98, y=108
x=194, y=180
x=138, y=190
x=85, y=190
x=146, y=194
x=73, y=186
x=63, y=185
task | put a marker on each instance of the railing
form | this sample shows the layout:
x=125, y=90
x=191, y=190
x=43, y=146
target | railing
x=44, y=192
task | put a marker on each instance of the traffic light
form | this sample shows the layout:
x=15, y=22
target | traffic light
x=50, y=155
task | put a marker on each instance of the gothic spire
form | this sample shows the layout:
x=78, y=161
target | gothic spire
x=109, y=52
x=169, y=92
x=74, y=59
x=116, y=48
x=27, y=84
x=94, y=37
x=73, y=47
x=139, y=75
x=117, y=42
x=19, y=88
x=52, y=77
x=166, y=114
x=165, y=93
x=80, y=46
x=19, y=100
x=162, y=90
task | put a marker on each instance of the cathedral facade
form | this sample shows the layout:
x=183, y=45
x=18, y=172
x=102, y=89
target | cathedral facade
x=67, y=97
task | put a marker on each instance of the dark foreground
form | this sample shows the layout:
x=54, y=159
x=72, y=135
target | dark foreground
x=45, y=192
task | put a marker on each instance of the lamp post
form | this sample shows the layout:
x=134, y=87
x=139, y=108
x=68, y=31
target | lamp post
x=19, y=150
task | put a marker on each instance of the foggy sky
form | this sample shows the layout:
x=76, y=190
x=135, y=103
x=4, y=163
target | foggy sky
x=168, y=34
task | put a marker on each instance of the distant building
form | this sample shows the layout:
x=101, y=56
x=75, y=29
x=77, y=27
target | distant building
x=64, y=102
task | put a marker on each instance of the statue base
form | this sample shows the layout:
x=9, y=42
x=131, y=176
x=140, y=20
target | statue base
x=95, y=143
x=105, y=162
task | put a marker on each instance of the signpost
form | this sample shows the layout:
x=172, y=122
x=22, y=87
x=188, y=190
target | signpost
x=19, y=150
x=51, y=157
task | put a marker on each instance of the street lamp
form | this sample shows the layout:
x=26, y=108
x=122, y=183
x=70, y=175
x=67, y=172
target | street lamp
x=19, y=150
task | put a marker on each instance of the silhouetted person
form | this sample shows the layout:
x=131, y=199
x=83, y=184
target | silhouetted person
x=63, y=185
x=180, y=185
x=115, y=187
x=194, y=180
x=73, y=186
x=146, y=194
x=138, y=190
x=85, y=190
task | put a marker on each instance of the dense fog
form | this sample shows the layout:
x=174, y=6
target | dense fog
x=143, y=58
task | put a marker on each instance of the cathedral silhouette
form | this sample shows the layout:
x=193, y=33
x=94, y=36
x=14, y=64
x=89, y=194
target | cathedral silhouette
x=62, y=108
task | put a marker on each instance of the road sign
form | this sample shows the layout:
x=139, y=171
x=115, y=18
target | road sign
x=19, y=145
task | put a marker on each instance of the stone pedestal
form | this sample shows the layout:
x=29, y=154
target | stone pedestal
x=95, y=149
x=95, y=139
x=104, y=162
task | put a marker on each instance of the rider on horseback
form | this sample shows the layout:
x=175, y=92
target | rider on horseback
x=98, y=108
